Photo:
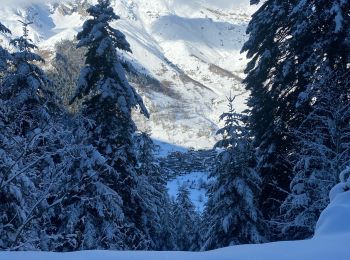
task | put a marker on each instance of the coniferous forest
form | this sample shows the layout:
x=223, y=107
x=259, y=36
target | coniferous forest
x=77, y=174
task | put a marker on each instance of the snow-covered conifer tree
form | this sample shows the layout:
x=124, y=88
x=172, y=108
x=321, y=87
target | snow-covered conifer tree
x=232, y=216
x=26, y=145
x=265, y=81
x=315, y=66
x=291, y=44
x=323, y=152
x=83, y=212
x=168, y=235
x=187, y=221
x=108, y=101
x=152, y=188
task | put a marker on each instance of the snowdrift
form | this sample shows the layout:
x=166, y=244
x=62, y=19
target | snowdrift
x=335, y=219
x=330, y=242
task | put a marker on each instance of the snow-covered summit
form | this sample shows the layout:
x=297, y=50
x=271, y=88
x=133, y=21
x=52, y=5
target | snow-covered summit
x=192, y=49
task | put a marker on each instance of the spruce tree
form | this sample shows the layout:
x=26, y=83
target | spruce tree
x=323, y=152
x=52, y=197
x=291, y=44
x=27, y=144
x=168, y=235
x=83, y=212
x=320, y=41
x=186, y=220
x=28, y=88
x=108, y=102
x=267, y=31
x=152, y=188
x=232, y=216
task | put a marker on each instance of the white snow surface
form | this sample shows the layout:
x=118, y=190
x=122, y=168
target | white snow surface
x=335, y=219
x=330, y=242
x=325, y=248
x=195, y=182
x=191, y=47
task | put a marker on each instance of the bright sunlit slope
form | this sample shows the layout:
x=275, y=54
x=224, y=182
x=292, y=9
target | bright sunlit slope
x=191, y=48
x=331, y=242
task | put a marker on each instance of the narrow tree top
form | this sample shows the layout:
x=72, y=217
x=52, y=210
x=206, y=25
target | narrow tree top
x=103, y=75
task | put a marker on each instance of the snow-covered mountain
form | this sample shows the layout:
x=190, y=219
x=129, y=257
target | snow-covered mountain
x=190, y=50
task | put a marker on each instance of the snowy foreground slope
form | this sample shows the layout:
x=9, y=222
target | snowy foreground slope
x=327, y=248
x=330, y=242
x=191, y=48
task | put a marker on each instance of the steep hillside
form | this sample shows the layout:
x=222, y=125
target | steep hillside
x=190, y=48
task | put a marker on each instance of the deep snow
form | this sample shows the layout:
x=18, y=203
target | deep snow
x=321, y=248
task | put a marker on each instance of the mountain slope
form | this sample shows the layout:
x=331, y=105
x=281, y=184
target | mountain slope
x=190, y=49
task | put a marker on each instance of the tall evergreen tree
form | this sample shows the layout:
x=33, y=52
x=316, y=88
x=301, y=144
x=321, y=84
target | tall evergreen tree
x=83, y=212
x=26, y=145
x=108, y=102
x=323, y=152
x=152, y=188
x=267, y=31
x=232, y=216
x=320, y=40
x=291, y=43
x=168, y=235
x=187, y=221
x=49, y=184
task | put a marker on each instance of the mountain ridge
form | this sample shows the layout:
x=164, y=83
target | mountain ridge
x=191, y=48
